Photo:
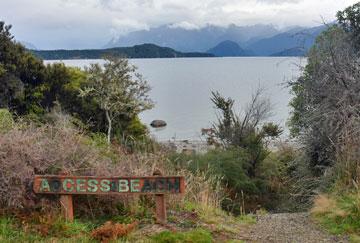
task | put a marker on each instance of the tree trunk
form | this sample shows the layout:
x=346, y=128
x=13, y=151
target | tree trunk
x=109, y=126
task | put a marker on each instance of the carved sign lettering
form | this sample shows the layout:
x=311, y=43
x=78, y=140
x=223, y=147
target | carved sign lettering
x=108, y=185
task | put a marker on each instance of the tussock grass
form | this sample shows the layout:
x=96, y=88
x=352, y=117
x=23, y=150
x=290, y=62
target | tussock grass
x=339, y=214
x=323, y=204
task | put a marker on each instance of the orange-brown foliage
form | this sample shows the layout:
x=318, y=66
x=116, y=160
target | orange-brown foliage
x=111, y=231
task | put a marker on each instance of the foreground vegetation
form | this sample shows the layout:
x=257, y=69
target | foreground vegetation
x=60, y=146
x=207, y=227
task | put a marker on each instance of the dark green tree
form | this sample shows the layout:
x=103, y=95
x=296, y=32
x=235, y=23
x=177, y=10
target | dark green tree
x=27, y=86
x=245, y=132
x=349, y=20
x=20, y=73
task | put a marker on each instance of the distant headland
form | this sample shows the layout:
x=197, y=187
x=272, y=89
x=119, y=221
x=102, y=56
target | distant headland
x=137, y=51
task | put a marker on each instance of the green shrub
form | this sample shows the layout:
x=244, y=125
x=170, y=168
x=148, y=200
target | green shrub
x=231, y=167
x=6, y=120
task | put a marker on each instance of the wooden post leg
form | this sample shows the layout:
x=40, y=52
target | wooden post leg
x=67, y=207
x=160, y=204
x=160, y=208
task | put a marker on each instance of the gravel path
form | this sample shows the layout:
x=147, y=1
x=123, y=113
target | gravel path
x=287, y=227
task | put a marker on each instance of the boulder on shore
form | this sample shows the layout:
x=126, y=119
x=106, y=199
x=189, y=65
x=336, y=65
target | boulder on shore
x=158, y=123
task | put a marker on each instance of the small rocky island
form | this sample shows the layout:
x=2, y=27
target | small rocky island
x=158, y=123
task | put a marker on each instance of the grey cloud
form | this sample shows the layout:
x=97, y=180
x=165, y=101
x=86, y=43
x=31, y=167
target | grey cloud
x=91, y=23
x=279, y=1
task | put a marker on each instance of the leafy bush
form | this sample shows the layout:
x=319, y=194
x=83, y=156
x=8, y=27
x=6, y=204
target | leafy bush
x=242, y=142
x=117, y=89
x=230, y=167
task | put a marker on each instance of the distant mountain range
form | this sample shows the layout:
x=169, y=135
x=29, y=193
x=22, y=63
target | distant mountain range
x=194, y=39
x=256, y=40
x=294, y=39
x=209, y=41
x=137, y=51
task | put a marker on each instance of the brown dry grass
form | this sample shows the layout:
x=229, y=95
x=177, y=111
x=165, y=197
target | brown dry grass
x=26, y=150
x=323, y=204
x=204, y=189
x=54, y=149
x=111, y=231
x=348, y=155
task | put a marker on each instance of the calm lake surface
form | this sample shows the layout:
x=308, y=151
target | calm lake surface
x=181, y=88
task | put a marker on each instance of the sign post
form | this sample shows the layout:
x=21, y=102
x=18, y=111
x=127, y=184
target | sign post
x=67, y=207
x=160, y=204
x=66, y=186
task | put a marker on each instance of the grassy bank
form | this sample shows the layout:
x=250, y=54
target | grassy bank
x=197, y=225
x=339, y=213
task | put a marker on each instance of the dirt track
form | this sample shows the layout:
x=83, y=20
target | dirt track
x=287, y=227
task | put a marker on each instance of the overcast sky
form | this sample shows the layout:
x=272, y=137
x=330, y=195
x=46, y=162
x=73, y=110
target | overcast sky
x=50, y=24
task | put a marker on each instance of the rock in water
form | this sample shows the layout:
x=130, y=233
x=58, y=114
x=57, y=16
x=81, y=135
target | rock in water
x=158, y=123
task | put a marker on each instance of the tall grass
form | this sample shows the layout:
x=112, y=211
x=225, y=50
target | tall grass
x=339, y=210
x=339, y=214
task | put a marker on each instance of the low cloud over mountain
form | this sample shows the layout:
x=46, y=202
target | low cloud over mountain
x=256, y=40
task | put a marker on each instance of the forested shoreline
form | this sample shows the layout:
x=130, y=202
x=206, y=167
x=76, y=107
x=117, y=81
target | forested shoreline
x=138, y=51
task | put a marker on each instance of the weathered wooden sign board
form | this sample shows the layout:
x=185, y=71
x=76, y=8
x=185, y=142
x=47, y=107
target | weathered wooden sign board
x=107, y=185
x=67, y=186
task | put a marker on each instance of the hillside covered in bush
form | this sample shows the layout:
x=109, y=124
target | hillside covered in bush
x=137, y=51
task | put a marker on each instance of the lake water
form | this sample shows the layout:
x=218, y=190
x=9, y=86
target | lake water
x=181, y=89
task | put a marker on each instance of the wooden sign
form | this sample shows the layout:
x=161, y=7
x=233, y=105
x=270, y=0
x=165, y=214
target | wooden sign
x=51, y=184
x=67, y=186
